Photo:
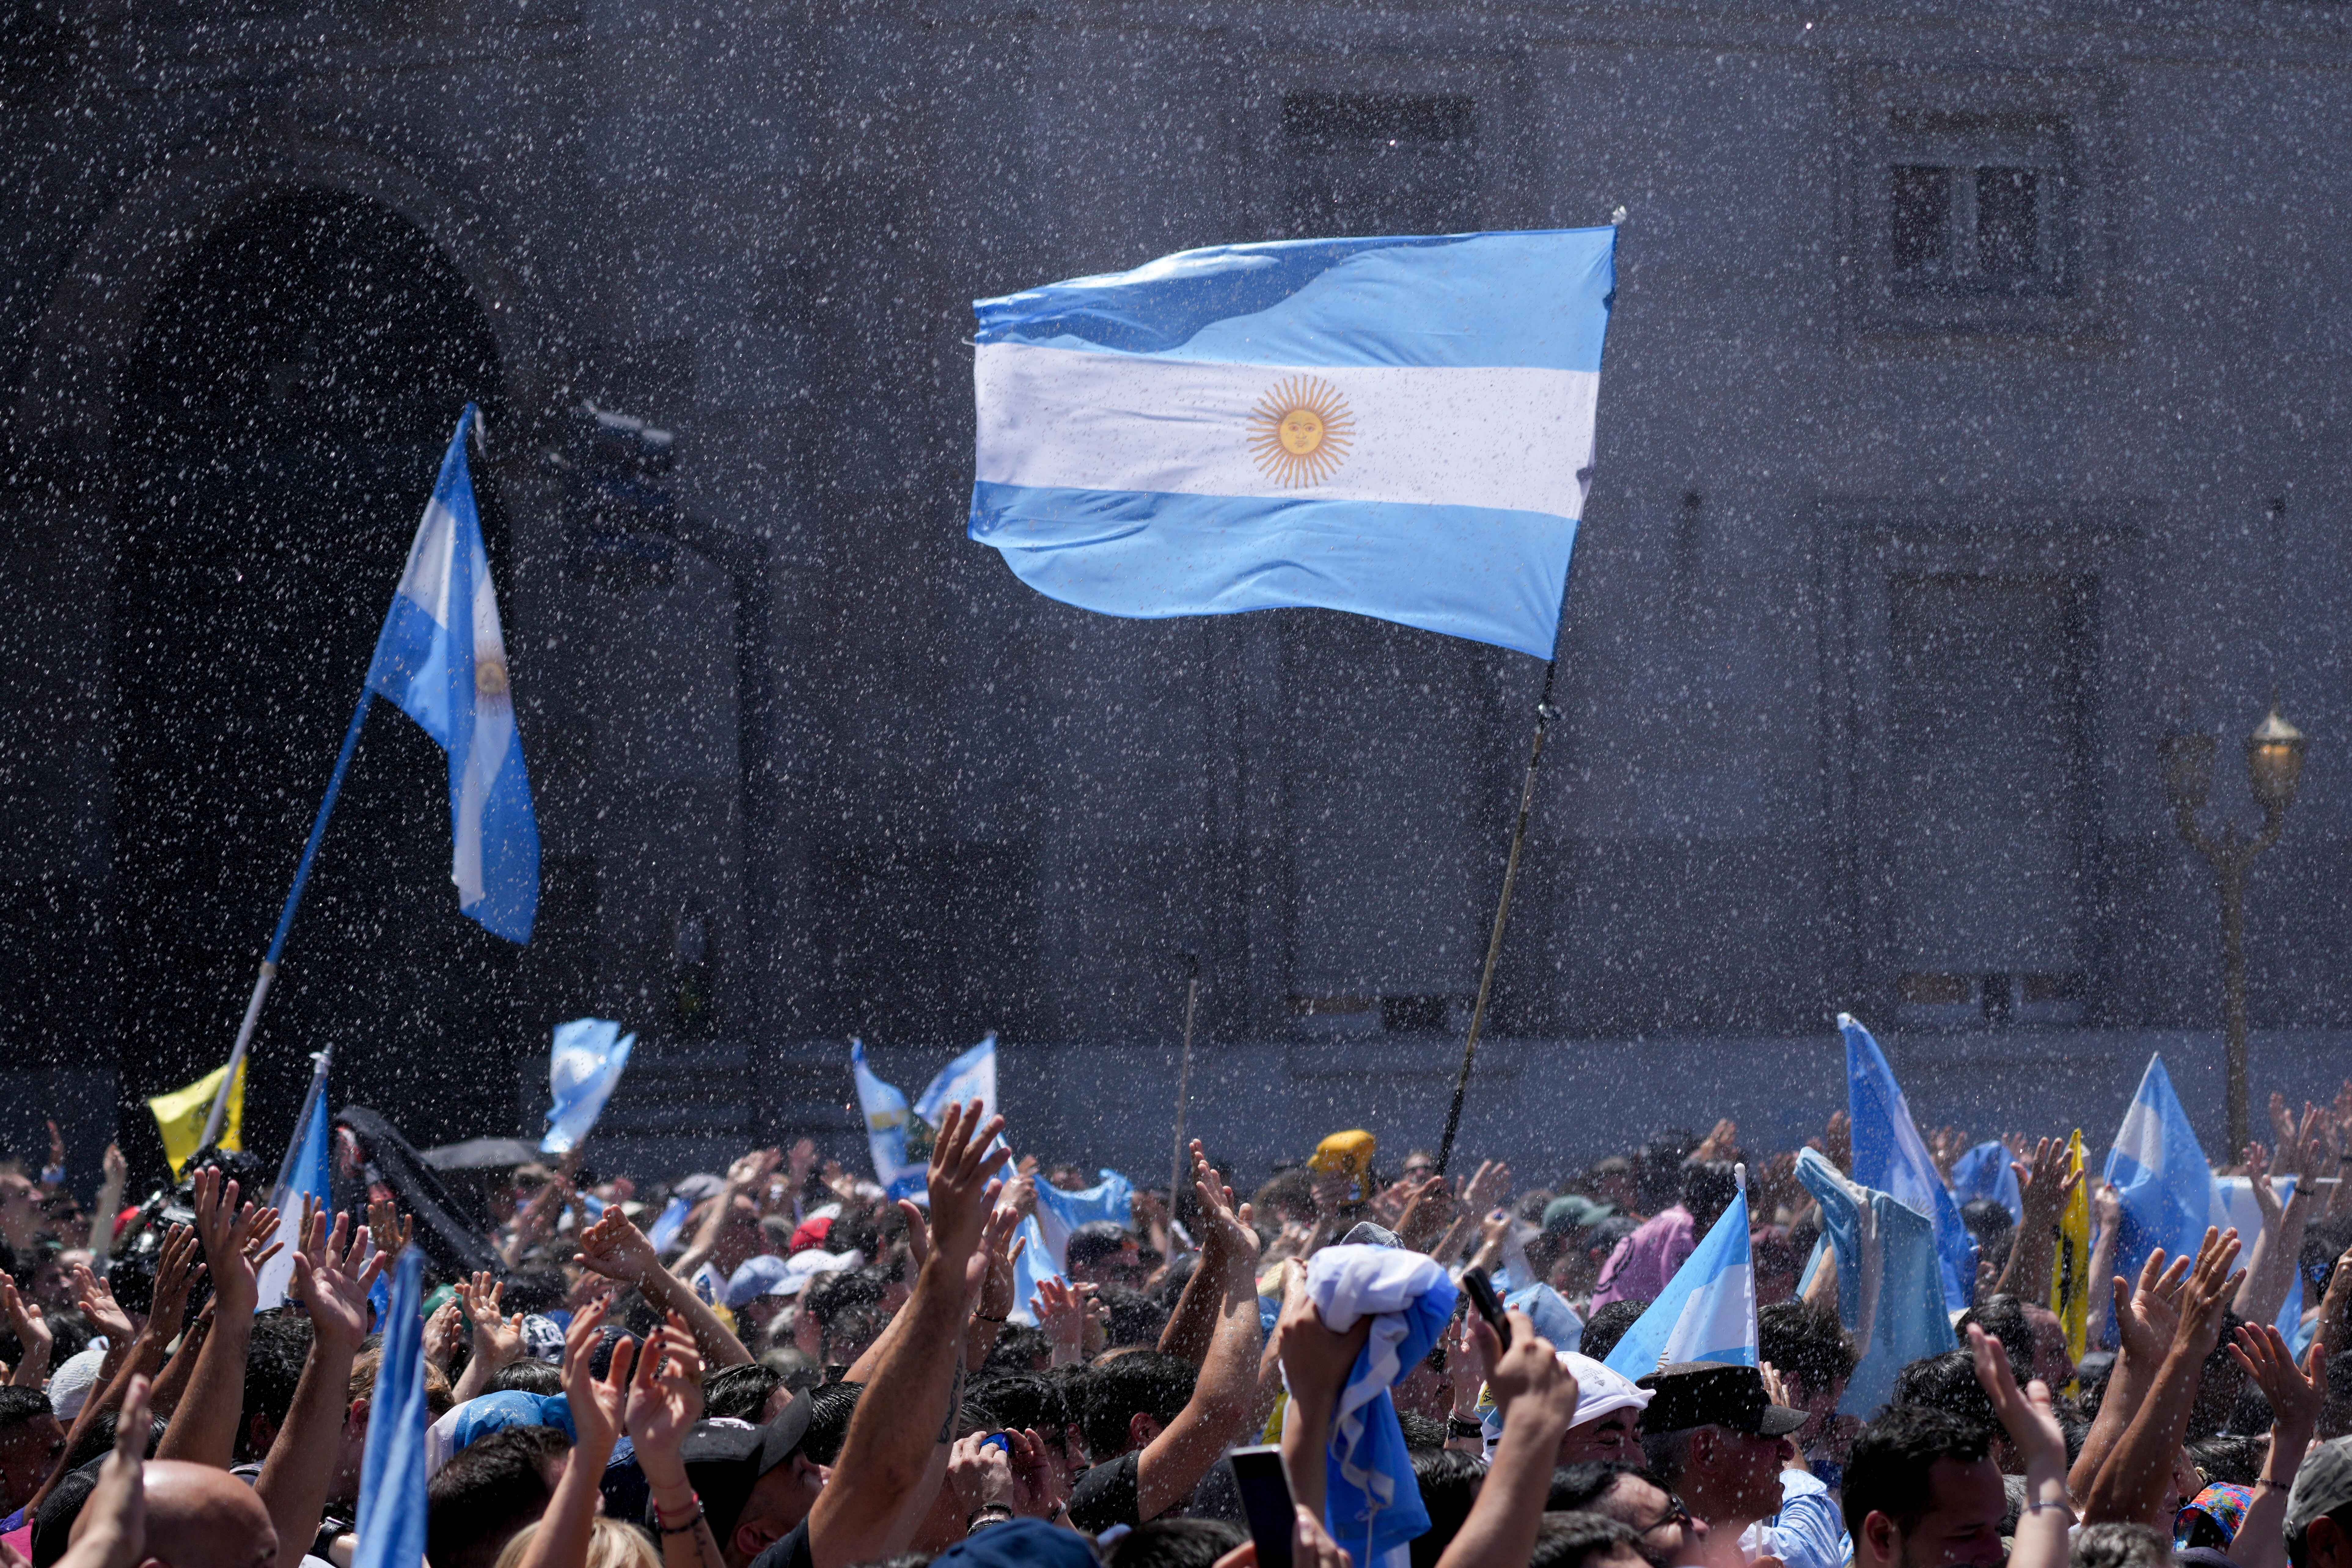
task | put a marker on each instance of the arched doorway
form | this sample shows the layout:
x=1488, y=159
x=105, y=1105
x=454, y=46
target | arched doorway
x=276, y=434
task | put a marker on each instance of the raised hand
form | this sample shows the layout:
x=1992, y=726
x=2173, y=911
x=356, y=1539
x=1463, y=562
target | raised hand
x=2025, y=1414
x=332, y=1273
x=113, y=1526
x=1489, y=1187
x=1720, y=1143
x=961, y=1179
x=999, y=1248
x=1316, y=1360
x=980, y=1474
x=177, y=1269
x=2295, y=1394
x=665, y=1398
x=597, y=1404
x=1945, y=1147
x=1528, y=1375
x=33, y=1336
x=391, y=1230
x=96, y=1299
x=496, y=1338
x=615, y=1247
x=2209, y=1288
x=1226, y=1231
x=751, y=1171
x=231, y=1236
x=443, y=1330
x=1061, y=1314
x=1038, y=1489
x=2147, y=1317
x=1432, y=1208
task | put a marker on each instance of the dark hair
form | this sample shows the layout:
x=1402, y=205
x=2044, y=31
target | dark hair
x=1805, y=1342
x=2236, y=1460
x=1607, y=1326
x=1888, y=1470
x=539, y=1290
x=830, y=1409
x=2003, y=1317
x=1017, y=1349
x=1170, y=1542
x=1946, y=1383
x=857, y=1326
x=1449, y=1481
x=1571, y=1539
x=2113, y=1545
x=98, y=1439
x=1096, y=1240
x=1580, y=1488
x=487, y=1492
x=1116, y=1389
x=53, y=1525
x=273, y=1365
x=739, y=1392
x=1707, y=1189
x=829, y=1294
x=1024, y=1402
x=21, y=1407
x=529, y=1375
x=1135, y=1318
x=1420, y=1432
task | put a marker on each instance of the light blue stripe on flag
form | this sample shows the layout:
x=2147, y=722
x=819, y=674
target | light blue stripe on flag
x=391, y=1470
x=1399, y=427
x=1707, y=1310
x=2166, y=1188
x=1889, y=1157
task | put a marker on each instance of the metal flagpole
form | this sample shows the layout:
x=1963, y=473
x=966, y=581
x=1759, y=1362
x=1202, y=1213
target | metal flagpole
x=286, y=920
x=1544, y=714
x=1183, y=1091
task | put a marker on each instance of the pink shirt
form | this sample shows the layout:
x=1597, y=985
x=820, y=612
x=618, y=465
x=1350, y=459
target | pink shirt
x=1644, y=1261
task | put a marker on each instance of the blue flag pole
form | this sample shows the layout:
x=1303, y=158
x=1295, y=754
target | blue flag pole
x=285, y=918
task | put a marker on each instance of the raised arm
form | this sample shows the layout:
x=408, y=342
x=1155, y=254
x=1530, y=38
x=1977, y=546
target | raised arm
x=907, y=1415
x=176, y=1274
x=33, y=1336
x=2044, y=1186
x=2270, y=1265
x=2144, y=1319
x=615, y=1247
x=2025, y=1415
x=2295, y=1397
x=1315, y=1366
x=116, y=1172
x=497, y=1338
x=1227, y=1389
x=1538, y=1398
x=2130, y=1487
x=204, y=1425
x=561, y=1539
x=665, y=1402
x=332, y=1273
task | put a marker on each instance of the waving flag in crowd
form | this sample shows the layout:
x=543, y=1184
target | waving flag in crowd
x=583, y=1071
x=1891, y=1157
x=2167, y=1190
x=1707, y=1310
x=1401, y=427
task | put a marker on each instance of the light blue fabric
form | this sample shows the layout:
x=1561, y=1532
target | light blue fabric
x=1986, y=1172
x=1527, y=301
x=441, y=658
x=1890, y=1280
x=583, y=1071
x=885, y=1113
x=479, y=1418
x=2163, y=1185
x=306, y=1174
x=1889, y=1157
x=1808, y=1532
x=972, y=1076
x=667, y=1223
x=1371, y=1501
x=1554, y=1319
x=392, y=1469
x=1707, y=1310
x=1059, y=1212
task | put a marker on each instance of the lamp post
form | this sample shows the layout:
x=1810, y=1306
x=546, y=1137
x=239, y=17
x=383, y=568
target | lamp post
x=2273, y=769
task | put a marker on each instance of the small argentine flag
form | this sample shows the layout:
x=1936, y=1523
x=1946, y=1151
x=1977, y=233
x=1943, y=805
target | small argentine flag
x=1707, y=1310
x=2166, y=1189
x=442, y=658
x=1400, y=427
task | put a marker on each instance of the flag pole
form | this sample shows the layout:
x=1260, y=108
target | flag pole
x=302, y=1124
x=1183, y=1092
x=1544, y=714
x=285, y=920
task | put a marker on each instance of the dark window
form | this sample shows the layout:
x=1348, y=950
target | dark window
x=1364, y=164
x=1922, y=216
x=2008, y=221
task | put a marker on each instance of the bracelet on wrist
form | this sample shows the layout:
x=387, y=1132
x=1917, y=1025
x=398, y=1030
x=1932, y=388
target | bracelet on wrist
x=988, y=1513
x=1464, y=1426
x=984, y=1318
x=2060, y=1504
x=663, y=1525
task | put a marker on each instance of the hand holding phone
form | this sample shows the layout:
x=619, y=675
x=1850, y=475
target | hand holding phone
x=1489, y=1305
x=1265, y=1503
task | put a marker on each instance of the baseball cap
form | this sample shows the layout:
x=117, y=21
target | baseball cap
x=811, y=1232
x=700, y=1185
x=1575, y=1211
x=725, y=1459
x=1714, y=1393
x=2323, y=1486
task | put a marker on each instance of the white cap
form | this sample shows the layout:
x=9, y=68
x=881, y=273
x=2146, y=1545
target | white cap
x=70, y=1383
x=1599, y=1391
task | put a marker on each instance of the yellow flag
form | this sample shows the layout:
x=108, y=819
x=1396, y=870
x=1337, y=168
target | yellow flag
x=180, y=1116
x=2070, y=1280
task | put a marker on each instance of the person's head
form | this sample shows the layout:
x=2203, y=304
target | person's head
x=1027, y=1402
x=1988, y=1224
x=1584, y=1541
x=1169, y=1542
x=743, y=1392
x=1104, y=1252
x=488, y=1492
x=2319, y=1509
x=1713, y=1436
x=200, y=1517
x=358, y=1395
x=2119, y=1546
x=1019, y=1348
x=1921, y=1489
x=1665, y=1531
x=273, y=1365
x=1128, y=1400
x=31, y=1438
x=1131, y=1317
x=611, y=1544
x=755, y=1483
x=529, y=1375
x=1948, y=1383
x=1449, y=1481
x=1707, y=1188
x=1807, y=1346
x=1607, y=1425
x=1608, y=1325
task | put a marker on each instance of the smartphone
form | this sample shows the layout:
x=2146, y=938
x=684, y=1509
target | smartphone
x=1489, y=1305
x=1265, y=1503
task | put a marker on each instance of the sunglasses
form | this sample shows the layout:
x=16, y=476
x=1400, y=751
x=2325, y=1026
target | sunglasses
x=1676, y=1514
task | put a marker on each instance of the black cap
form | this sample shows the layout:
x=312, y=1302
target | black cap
x=1714, y=1393
x=725, y=1459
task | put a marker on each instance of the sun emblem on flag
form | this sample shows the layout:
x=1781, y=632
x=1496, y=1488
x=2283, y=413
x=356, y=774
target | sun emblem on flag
x=490, y=677
x=1300, y=432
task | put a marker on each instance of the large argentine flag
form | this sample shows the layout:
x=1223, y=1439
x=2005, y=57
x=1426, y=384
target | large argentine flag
x=583, y=1071
x=1707, y=1310
x=304, y=1173
x=443, y=659
x=1890, y=1280
x=972, y=1076
x=884, y=1109
x=2167, y=1190
x=1401, y=427
x=1889, y=1157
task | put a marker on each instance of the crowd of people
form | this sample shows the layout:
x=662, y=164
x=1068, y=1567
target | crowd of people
x=778, y=1366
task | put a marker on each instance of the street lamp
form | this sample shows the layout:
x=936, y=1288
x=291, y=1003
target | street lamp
x=2273, y=769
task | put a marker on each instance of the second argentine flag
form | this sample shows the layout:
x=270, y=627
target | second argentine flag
x=1400, y=427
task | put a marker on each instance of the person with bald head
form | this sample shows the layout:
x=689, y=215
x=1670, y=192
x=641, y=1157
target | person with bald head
x=197, y=1516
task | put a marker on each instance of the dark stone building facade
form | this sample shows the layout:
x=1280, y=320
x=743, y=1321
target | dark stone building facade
x=1975, y=408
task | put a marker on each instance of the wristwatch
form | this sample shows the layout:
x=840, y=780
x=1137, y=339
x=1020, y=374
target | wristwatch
x=1460, y=1427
